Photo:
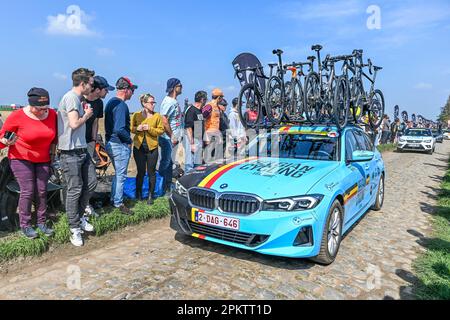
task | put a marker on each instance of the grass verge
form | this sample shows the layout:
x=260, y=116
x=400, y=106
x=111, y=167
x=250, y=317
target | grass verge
x=433, y=267
x=386, y=147
x=16, y=245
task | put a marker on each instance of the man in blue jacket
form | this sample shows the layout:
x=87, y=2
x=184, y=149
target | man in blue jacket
x=118, y=139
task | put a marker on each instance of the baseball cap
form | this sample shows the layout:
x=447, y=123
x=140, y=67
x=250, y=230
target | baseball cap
x=102, y=83
x=125, y=83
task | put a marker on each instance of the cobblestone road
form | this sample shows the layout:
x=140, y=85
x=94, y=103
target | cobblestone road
x=374, y=262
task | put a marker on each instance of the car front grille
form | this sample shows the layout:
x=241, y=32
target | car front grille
x=203, y=198
x=238, y=203
x=414, y=141
x=234, y=203
x=247, y=239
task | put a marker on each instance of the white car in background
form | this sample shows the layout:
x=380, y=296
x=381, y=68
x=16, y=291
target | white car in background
x=446, y=134
x=417, y=139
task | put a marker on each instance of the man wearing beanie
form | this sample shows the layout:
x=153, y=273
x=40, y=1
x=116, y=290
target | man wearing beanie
x=76, y=163
x=172, y=121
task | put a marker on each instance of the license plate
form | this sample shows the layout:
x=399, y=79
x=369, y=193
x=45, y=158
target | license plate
x=217, y=221
x=414, y=145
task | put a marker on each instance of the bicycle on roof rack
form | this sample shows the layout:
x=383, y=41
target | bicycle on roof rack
x=371, y=103
x=326, y=96
x=250, y=73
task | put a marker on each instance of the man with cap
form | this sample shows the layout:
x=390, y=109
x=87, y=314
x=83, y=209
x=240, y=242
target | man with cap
x=212, y=118
x=172, y=121
x=118, y=139
x=94, y=100
x=76, y=163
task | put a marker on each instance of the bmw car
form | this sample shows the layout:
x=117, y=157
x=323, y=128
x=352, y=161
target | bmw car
x=417, y=139
x=295, y=196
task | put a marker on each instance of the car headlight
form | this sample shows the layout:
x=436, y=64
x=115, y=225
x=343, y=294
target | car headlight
x=402, y=140
x=429, y=141
x=180, y=189
x=293, y=204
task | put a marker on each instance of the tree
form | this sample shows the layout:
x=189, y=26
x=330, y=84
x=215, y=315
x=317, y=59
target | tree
x=445, y=112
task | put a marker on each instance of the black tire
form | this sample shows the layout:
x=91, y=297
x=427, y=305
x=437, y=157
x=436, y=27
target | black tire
x=274, y=100
x=326, y=257
x=311, y=97
x=341, y=103
x=10, y=203
x=296, y=109
x=376, y=109
x=380, y=196
x=249, y=100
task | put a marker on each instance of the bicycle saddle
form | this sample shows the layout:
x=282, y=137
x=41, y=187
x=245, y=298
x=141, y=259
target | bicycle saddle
x=377, y=68
x=311, y=58
x=317, y=47
x=273, y=65
x=278, y=52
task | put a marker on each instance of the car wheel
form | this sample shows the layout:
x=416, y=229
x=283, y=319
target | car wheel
x=332, y=235
x=380, y=196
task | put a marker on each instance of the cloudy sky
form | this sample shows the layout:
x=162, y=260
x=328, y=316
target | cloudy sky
x=43, y=41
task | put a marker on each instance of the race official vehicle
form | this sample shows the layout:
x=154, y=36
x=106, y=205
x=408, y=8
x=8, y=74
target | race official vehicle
x=438, y=135
x=417, y=139
x=296, y=201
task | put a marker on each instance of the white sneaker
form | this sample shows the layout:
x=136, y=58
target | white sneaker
x=76, y=238
x=90, y=212
x=85, y=225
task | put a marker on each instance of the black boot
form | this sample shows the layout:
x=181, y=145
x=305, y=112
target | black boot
x=139, y=195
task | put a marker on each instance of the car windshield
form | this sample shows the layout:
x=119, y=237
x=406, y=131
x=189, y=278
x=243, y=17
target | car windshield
x=296, y=146
x=418, y=133
x=436, y=132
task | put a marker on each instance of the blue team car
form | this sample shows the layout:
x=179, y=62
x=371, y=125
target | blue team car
x=296, y=200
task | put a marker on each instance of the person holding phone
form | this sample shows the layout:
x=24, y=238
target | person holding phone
x=31, y=135
x=147, y=126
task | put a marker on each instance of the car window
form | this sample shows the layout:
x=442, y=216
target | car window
x=361, y=141
x=369, y=144
x=350, y=145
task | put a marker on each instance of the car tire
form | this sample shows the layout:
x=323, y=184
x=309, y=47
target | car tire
x=329, y=248
x=380, y=196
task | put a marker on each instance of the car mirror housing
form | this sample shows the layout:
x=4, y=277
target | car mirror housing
x=361, y=156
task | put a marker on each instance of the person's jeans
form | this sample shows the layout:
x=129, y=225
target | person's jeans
x=192, y=159
x=32, y=179
x=81, y=179
x=166, y=163
x=385, y=137
x=120, y=157
x=145, y=161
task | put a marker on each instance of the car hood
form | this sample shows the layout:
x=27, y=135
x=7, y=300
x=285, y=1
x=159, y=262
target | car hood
x=266, y=177
x=416, y=138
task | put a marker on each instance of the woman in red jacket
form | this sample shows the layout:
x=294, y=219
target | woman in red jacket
x=34, y=131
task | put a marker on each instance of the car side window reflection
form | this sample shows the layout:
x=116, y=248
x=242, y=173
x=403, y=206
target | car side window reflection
x=361, y=141
x=350, y=145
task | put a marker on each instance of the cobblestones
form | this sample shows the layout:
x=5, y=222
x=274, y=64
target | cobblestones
x=374, y=260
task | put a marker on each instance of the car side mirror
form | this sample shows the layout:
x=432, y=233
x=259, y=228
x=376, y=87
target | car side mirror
x=362, y=156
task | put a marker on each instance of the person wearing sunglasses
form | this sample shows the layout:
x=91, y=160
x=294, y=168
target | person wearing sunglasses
x=148, y=127
x=118, y=139
x=31, y=135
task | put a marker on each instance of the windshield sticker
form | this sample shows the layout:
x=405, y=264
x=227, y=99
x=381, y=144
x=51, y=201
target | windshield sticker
x=269, y=168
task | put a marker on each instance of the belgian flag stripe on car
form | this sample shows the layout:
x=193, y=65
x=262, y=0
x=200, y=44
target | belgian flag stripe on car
x=350, y=193
x=215, y=175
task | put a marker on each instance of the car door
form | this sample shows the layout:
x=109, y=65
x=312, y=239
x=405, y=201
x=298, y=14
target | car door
x=352, y=181
x=367, y=168
x=374, y=171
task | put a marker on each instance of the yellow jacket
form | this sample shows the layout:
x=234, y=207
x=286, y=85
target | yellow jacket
x=155, y=129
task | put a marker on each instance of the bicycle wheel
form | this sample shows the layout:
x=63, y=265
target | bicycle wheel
x=356, y=101
x=295, y=110
x=341, y=103
x=311, y=97
x=376, y=109
x=274, y=100
x=249, y=106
